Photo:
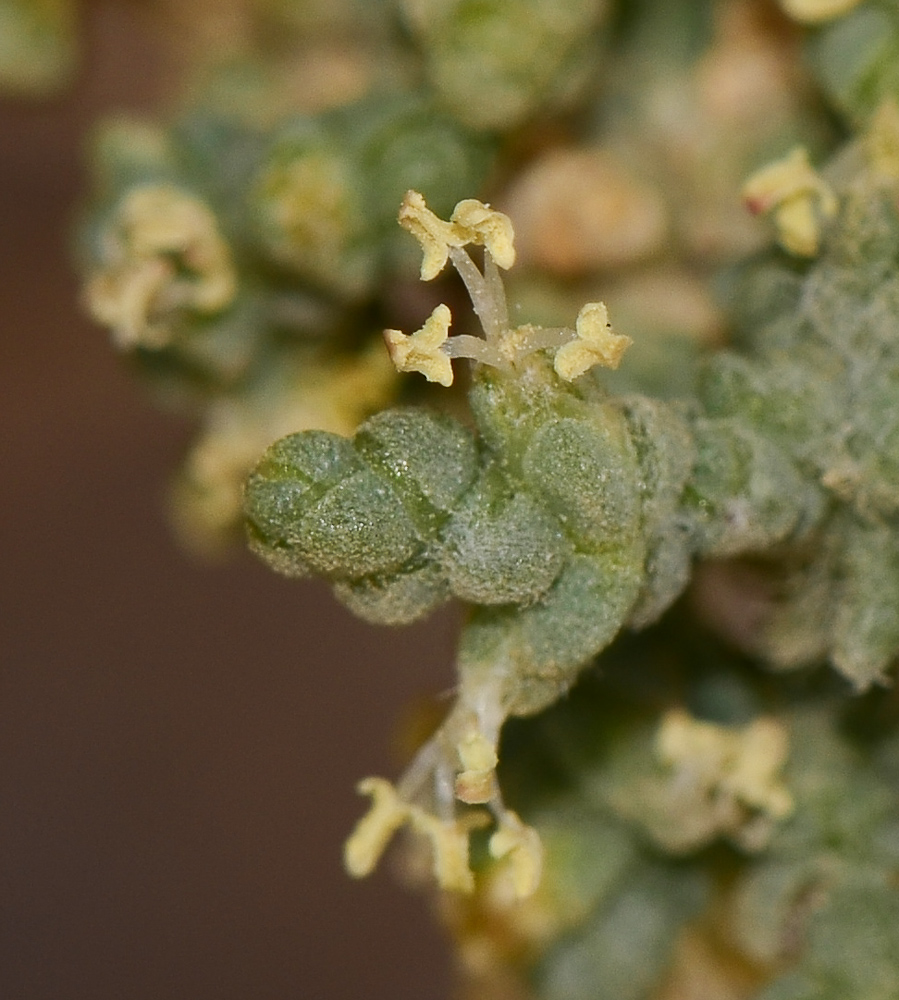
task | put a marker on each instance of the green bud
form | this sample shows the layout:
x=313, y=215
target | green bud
x=402, y=142
x=581, y=615
x=747, y=493
x=586, y=473
x=430, y=459
x=292, y=474
x=541, y=649
x=666, y=453
x=500, y=547
x=310, y=214
x=358, y=527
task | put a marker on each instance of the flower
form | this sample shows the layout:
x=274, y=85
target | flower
x=162, y=253
x=797, y=197
x=594, y=344
x=369, y=840
x=477, y=781
x=725, y=779
x=522, y=846
x=428, y=350
x=420, y=351
x=471, y=222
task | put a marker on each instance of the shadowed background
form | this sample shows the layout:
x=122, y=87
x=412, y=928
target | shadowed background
x=178, y=743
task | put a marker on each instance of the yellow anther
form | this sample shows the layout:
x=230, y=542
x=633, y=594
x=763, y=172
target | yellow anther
x=732, y=772
x=369, y=840
x=522, y=846
x=483, y=226
x=477, y=752
x=420, y=351
x=434, y=235
x=471, y=222
x=595, y=344
x=798, y=199
x=449, y=846
x=816, y=11
x=477, y=781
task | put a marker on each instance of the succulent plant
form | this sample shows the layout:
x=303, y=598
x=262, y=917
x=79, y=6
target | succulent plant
x=666, y=493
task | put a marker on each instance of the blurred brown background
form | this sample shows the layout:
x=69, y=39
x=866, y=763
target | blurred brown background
x=178, y=743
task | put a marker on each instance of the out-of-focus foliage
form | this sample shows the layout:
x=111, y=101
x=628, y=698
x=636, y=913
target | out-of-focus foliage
x=38, y=48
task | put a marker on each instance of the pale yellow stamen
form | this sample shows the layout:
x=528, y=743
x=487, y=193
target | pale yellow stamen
x=477, y=781
x=449, y=845
x=472, y=222
x=798, y=199
x=369, y=840
x=420, y=351
x=388, y=813
x=483, y=226
x=595, y=344
x=521, y=844
x=429, y=350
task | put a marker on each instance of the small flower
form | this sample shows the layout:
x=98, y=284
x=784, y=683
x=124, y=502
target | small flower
x=429, y=350
x=594, y=344
x=471, y=222
x=369, y=840
x=797, y=197
x=727, y=779
x=420, y=351
x=162, y=253
x=424, y=799
x=449, y=844
x=522, y=846
x=389, y=811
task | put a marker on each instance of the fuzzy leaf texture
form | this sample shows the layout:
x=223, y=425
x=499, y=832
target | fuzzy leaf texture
x=575, y=513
